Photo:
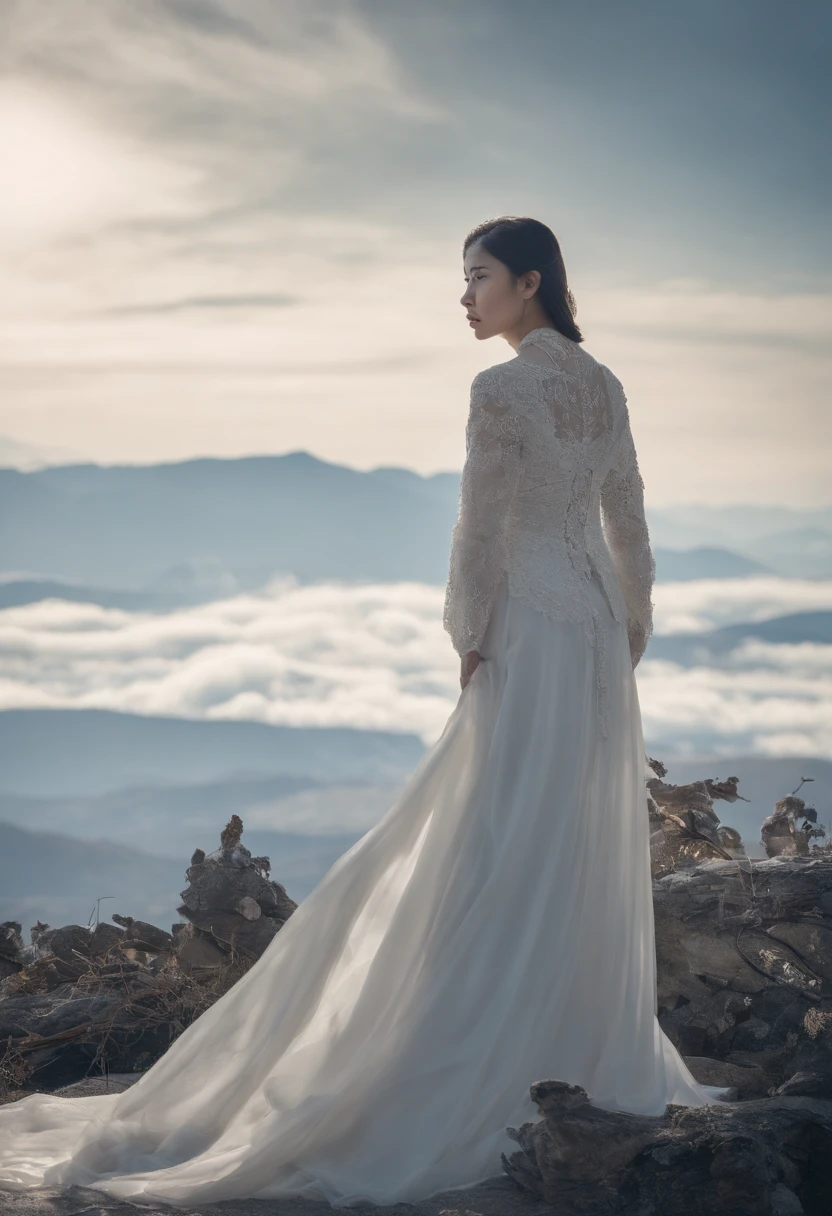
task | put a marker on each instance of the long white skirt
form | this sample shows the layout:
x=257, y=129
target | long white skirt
x=495, y=928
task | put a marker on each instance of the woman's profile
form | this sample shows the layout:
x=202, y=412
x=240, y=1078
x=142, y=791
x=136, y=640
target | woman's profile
x=495, y=927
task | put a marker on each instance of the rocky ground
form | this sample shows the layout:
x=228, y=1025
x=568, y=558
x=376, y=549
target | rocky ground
x=494, y=1198
x=744, y=981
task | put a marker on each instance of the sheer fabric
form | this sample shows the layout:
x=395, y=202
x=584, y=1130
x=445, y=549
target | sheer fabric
x=493, y=929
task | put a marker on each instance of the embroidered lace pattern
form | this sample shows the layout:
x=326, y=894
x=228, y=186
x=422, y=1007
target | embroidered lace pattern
x=550, y=494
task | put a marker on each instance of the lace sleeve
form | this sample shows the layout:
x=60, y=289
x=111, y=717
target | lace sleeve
x=625, y=527
x=479, y=542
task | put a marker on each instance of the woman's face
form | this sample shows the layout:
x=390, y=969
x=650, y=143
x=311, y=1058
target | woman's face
x=490, y=297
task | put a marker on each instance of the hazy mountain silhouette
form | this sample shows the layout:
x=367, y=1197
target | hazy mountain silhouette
x=705, y=561
x=170, y=820
x=128, y=526
x=197, y=529
x=81, y=753
x=714, y=646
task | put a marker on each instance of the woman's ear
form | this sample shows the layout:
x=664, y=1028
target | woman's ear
x=532, y=281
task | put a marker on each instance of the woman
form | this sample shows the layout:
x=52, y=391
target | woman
x=496, y=927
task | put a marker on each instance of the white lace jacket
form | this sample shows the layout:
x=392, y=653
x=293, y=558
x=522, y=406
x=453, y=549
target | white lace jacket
x=551, y=490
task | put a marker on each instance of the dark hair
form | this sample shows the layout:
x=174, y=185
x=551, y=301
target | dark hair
x=524, y=244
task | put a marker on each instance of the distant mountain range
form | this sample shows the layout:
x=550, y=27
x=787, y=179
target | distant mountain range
x=29, y=456
x=240, y=521
x=48, y=753
x=200, y=529
x=713, y=647
x=99, y=803
x=171, y=820
x=192, y=583
x=57, y=879
x=702, y=561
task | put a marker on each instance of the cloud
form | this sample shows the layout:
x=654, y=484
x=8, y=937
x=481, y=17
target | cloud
x=708, y=603
x=195, y=303
x=256, y=209
x=693, y=311
x=65, y=171
x=782, y=708
x=326, y=655
x=376, y=657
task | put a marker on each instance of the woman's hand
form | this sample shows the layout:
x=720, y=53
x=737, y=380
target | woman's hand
x=470, y=663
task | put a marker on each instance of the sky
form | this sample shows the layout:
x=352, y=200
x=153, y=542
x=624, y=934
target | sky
x=236, y=228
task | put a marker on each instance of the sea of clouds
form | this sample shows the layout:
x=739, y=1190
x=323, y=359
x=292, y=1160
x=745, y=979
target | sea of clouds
x=375, y=656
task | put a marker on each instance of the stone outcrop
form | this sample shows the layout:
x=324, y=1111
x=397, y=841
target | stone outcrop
x=134, y=986
x=744, y=957
x=230, y=904
x=769, y=1157
x=792, y=828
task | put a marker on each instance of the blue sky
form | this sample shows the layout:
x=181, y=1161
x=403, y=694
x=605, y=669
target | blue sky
x=237, y=228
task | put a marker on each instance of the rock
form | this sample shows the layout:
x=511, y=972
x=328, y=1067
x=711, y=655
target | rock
x=113, y=1083
x=748, y=1078
x=740, y=1159
x=139, y=935
x=234, y=934
x=104, y=938
x=743, y=965
x=195, y=949
x=809, y=1084
x=249, y=908
x=684, y=827
x=71, y=943
x=11, y=947
x=781, y=834
x=230, y=899
x=78, y=1000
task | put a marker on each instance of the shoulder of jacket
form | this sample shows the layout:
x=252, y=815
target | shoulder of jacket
x=611, y=377
x=500, y=378
x=492, y=387
x=619, y=397
x=490, y=377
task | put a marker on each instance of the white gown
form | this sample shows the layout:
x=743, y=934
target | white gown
x=495, y=928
